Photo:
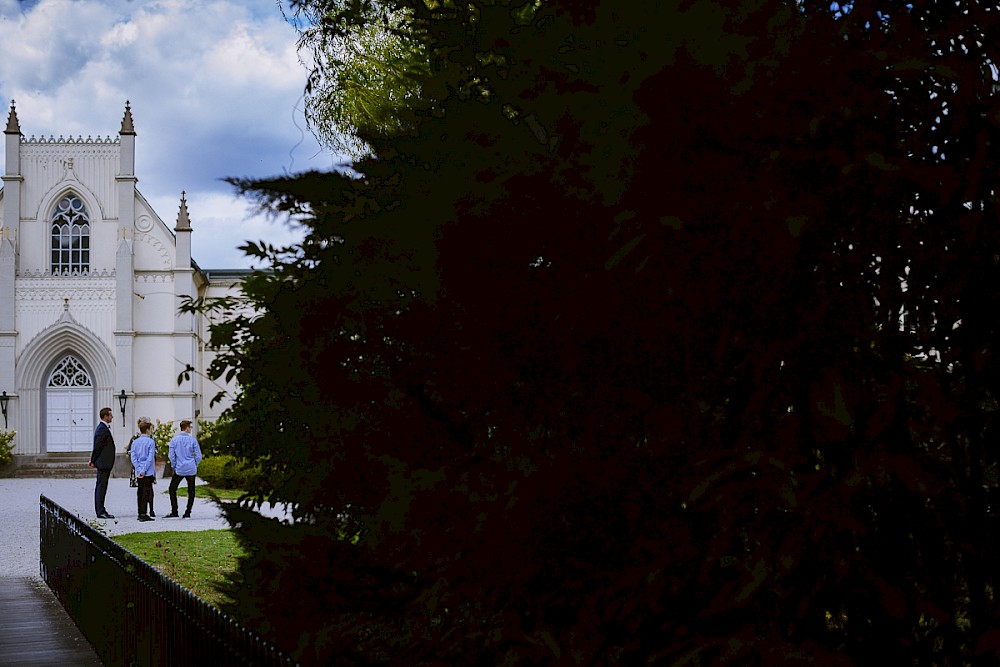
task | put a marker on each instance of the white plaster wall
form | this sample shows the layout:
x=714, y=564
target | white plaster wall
x=152, y=406
x=153, y=363
x=39, y=303
x=205, y=386
x=153, y=302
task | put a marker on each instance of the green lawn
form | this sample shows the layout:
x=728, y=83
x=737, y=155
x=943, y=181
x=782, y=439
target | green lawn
x=197, y=560
x=202, y=491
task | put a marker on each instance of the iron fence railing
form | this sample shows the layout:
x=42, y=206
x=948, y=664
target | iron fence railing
x=131, y=613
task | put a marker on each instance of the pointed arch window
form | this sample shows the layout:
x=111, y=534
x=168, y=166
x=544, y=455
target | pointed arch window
x=70, y=237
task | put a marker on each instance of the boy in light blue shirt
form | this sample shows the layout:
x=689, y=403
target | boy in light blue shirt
x=143, y=455
x=184, y=455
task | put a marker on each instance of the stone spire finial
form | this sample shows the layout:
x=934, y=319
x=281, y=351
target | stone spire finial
x=13, y=127
x=183, y=222
x=127, y=127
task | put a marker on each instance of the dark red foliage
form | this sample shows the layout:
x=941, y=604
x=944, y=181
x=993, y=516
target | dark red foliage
x=629, y=376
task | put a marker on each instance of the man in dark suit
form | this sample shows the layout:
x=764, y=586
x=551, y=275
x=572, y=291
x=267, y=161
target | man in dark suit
x=103, y=458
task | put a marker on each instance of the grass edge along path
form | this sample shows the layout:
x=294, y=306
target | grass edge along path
x=204, y=491
x=197, y=560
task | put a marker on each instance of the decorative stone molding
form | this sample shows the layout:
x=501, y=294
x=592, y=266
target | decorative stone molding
x=41, y=351
x=156, y=245
x=46, y=288
x=66, y=186
x=40, y=273
x=56, y=294
x=144, y=223
x=70, y=140
x=154, y=277
x=58, y=152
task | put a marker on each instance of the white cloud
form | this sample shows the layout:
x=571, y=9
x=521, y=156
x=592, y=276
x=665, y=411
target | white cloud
x=215, y=90
x=216, y=219
x=9, y=8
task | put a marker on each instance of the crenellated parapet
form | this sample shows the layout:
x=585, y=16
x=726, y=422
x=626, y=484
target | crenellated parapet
x=71, y=140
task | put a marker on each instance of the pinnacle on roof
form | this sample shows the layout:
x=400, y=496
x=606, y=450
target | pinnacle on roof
x=127, y=127
x=183, y=222
x=13, y=127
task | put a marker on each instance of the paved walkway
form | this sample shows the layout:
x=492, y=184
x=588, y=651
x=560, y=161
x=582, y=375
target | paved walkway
x=19, y=515
x=35, y=631
x=34, y=628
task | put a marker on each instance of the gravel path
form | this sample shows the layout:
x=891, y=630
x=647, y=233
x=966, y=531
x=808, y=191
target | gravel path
x=19, y=515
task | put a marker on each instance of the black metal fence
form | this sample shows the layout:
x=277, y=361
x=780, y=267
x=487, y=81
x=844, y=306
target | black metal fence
x=130, y=612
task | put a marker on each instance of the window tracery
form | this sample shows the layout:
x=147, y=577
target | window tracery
x=70, y=237
x=69, y=372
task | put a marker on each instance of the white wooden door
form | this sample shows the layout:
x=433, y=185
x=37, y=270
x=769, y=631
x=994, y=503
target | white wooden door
x=70, y=408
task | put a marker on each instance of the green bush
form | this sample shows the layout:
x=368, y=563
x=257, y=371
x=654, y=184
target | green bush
x=212, y=468
x=7, y=447
x=225, y=471
x=161, y=435
x=212, y=436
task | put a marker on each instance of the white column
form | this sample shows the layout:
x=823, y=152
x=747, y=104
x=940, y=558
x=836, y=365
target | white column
x=12, y=184
x=185, y=336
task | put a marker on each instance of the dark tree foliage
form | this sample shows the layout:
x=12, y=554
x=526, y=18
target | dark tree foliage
x=666, y=337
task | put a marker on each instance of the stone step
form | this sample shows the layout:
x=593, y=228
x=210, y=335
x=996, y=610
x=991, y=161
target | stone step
x=66, y=465
x=71, y=465
x=54, y=473
x=57, y=464
x=72, y=472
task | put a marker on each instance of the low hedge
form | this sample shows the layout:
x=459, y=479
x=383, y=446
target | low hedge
x=225, y=472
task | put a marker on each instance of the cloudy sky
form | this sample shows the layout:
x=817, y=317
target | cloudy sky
x=215, y=88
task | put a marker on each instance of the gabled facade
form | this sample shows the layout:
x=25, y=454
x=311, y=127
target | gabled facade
x=90, y=283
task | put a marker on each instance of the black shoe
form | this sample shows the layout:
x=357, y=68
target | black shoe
x=187, y=515
x=144, y=517
x=172, y=515
x=105, y=516
x=152, y=513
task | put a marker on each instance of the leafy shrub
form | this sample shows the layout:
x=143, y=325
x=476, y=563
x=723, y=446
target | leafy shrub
x=226, y=472
x=161, y=433
x=212, y=468
x=7, y=447
x=212, y=436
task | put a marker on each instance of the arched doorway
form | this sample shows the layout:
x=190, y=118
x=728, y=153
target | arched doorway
x=69, y=398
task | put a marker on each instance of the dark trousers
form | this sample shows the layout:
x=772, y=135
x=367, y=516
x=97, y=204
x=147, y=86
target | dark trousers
x=101, y=490
x=175, y=481
x=144, y=494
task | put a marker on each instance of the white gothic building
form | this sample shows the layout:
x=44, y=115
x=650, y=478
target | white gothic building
x=90, y=283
